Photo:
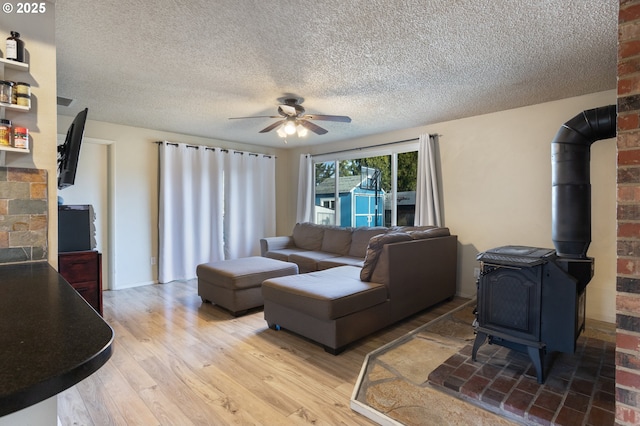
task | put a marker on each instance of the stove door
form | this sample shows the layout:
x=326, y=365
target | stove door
x=509, y=301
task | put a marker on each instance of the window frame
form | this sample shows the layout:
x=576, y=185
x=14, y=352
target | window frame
x=357, y=153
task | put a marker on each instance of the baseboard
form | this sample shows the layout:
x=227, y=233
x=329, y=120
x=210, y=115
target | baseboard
x=467, y=295
x=132, y=285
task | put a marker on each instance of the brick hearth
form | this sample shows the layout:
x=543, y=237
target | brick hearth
x=579, y=388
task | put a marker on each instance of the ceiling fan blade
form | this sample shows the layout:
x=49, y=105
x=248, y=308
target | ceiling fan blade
x=255, y=116
x=313, y=127
x=272, y=126
x=341, y=118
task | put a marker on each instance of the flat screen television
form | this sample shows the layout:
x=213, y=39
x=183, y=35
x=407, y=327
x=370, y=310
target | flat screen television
x=69, y=151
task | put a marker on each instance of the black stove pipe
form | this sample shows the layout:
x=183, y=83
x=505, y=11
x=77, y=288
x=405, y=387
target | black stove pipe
x=570, y=179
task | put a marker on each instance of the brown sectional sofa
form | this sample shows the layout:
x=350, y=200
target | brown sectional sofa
x=345, y=291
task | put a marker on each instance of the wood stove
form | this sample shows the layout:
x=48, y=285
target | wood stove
x=532, y=301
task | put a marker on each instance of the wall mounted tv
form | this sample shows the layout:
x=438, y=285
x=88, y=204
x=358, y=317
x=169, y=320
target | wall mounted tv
x=69, y=151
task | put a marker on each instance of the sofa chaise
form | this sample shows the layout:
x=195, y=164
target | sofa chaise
x=403, y=271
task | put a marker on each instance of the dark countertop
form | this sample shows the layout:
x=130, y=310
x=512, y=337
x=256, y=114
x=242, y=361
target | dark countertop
x=50, y=338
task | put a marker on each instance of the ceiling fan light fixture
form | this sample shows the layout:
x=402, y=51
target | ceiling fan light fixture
x=281, y=132
x=302, y=131
x=290, y=127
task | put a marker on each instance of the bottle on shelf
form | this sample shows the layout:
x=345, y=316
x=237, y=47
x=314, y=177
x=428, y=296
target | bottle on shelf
x=21, y=137
x=23, y=100
x=6, y=91
x=5, y=132
x=15, y=47
x=22, y=88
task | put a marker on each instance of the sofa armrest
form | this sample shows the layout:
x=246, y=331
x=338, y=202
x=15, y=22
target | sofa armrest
x=275, y=243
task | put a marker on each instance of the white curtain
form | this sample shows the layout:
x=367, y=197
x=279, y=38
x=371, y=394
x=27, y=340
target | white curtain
x=266, y=212
x=190, y=210
x=236, y=199
x=305, y=189
x=249, y=203
x=214, y=205
x=427, y=195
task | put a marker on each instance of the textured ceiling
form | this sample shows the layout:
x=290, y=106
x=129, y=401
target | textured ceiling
x=186, y=66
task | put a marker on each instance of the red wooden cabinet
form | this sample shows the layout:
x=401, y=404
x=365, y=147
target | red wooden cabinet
x=83, y=270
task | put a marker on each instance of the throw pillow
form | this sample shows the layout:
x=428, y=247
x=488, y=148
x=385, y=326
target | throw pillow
x=360, y=240
x=429, y=233
x=375, y=248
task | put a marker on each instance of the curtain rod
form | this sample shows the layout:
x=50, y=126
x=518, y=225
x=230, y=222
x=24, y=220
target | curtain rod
x=212, y=148
x=369, y=147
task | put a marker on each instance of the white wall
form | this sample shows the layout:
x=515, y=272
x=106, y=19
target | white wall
x=134, y=177
x=496, y=180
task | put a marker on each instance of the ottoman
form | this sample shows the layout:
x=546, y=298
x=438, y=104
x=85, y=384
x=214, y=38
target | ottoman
x=236, y=284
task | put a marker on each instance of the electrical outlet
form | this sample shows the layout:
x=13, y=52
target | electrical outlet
x=153, y=260
x=476, y=272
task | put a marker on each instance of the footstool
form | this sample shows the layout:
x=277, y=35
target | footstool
x=236, y=284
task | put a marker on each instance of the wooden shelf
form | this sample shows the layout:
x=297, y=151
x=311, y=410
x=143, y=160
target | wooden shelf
x=12, y=149
x=14, y=65
x=5, y=149
x=14, y=107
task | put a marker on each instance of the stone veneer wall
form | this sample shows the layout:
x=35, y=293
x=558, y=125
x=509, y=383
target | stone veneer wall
x=628, y=200
x=23, y=215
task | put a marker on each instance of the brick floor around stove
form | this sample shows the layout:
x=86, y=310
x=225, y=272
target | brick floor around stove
x=579, y=388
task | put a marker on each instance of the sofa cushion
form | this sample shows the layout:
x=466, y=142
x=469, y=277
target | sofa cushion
x=327, y=295
x=375, y=247
x=308, y=236
x=334, y=262
x=307, y=261
x=337, y=240
x=283, y=254
x=360, y=240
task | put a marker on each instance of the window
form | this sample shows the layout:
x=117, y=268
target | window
x=325, y=190
x=328, y=203
x=407, y=181
x=375, y=190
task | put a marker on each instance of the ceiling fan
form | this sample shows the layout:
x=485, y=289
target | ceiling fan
x=293, y=119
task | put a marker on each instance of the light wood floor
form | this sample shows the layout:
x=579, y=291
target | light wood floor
x=177, y=361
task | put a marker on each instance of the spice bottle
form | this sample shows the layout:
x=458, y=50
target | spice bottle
x=22, y=88
x=23, y=100
x=15, y=47
x=5, y=132
x=21, y=137
x=6, y=88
